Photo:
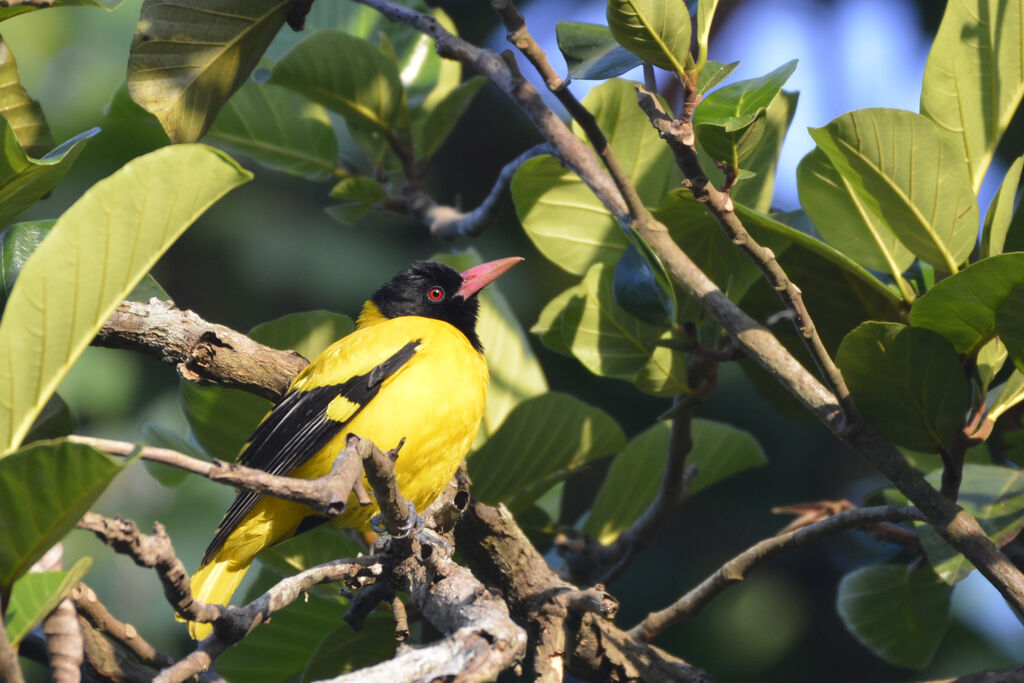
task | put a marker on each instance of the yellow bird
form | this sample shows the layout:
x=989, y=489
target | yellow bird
x=413, y=368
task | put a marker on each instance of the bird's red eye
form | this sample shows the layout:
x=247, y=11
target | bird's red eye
x=435, y=294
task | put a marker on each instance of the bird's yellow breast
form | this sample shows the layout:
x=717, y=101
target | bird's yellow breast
x=435, y=402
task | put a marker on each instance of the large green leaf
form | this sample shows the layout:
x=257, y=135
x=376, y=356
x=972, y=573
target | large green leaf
x=344, y=649
x=610, y=342
x=348, y=75
x=189, y=56
x=909, y=174
x=541, y=442
x=6, y=12
x=731, y=121
x=1010, y=325
x=591, y=53
x=995, y=497
x=756, y=192
x=907, y=381
x=845, y=221
x=549, y=323
x=1000, y=211
x=656, y=31
x=438, y=116
x=24, y=180
x=719, y=451
x=280, y=649
x=96, y=253
x=46, y=488
x=962, y=308
x=35, y=595
x=222, y=419
x=516, y=374
x=560, y=214
x=898, y=614
x=23, y=114
x=278, y=128
x=974, y=77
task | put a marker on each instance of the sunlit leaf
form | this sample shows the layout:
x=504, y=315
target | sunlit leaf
x=899, y=615
x=12, y=10
x=705, y=13
x=591, y=53
x=188, y=56
x=656, y=31
x=974, y=77
x=95, y=254
x=35, y=595
x=713, y=74
x=756, y=192
x=23, y=114
x=1010, y=325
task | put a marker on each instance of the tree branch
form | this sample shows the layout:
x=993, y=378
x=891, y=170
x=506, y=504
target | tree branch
x=735, y=570
x=99, y=617
x=9, y=668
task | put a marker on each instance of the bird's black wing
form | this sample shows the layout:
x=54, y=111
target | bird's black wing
x=296, y=429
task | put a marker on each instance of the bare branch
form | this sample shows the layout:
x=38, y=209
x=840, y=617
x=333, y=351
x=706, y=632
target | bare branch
x=735, y=570
x=10, y=670
x=64, y=643
x=99, y=617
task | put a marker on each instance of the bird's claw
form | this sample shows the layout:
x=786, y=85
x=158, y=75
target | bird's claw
x=414, y=522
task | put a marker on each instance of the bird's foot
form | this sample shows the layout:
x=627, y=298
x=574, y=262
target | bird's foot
x=416, y=527
x=414, y=522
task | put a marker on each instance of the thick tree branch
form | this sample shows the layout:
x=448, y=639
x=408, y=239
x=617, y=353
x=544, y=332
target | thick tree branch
x=64, y=643
x=10, y=670
x=736, y=569
x=99, y=617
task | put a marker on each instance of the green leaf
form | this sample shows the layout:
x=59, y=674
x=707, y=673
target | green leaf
x=719, y=451
x=612, y=343
x=344, y=650
x=845, y=221
x=705, y=13
x=46, y=488
x=1010, y=325
x=35, y=595
x=436, y=119
x=1000, y=211
x=24, y=180
x=899, y=615
x=308, y=549
x=95, y=254
x=221, y=419
x=962, y=308
x=989, y=362
x=910, y=175
x=522, y=460
x=729, y=124
x=187, y=58
x=23, y=114
x=54, y=421
x=562, y=217
x=591, y=53
x=280, y=649
x=656, y=31
x=1010, y=395
x=280, y=129
x=155, y=434
x=549, y=324
x=636, y=290
x=907, y=381
x=995, y=497
x=14, y=10
x=756, y=192
x=348, y=75
x=713, y=74
x=974, y=77
x=361, y=189
x=516, y=374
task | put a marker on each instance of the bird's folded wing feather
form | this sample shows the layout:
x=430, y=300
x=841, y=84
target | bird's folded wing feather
x=302, y=424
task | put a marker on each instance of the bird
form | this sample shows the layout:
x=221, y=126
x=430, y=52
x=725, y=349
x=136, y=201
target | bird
x=413, y=369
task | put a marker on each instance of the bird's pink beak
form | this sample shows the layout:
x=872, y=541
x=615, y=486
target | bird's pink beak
x=478, y=277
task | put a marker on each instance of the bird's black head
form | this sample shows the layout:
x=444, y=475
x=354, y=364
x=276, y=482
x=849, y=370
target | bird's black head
x=435, y=290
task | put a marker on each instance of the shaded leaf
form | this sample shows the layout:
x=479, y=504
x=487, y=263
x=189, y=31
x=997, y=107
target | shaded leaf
x=46, y=488
x=35, y=595
x=591, y=53
x=189, y=56
x=756, y=192
x=6, y=12
x=279, y=128
x=23, y=114
x=1010, y=325
x=899, y=615
x=719, y=451
x=319, y=545
x=909, y=174
x=344, y=650
x=155, y=434
x=24, y=180
x=1000, y=211
x=636, y=290
x=54, y=421
x=962, y=308
x=436, y=120
x=974, y=77
x=908, y=382
x=549, y=324
x=544, y=439
x=95, y=254
x=656, y=31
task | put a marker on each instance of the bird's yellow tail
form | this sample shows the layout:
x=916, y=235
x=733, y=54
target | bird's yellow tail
x=214, y=584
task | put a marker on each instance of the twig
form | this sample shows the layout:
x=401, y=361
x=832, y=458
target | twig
x=449, y=223
x=735, y=570
x=202, y=352
x=327, y=495
x=99, y=617
x=9, y=668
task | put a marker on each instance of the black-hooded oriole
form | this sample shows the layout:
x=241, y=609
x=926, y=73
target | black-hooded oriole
x=413, y=369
